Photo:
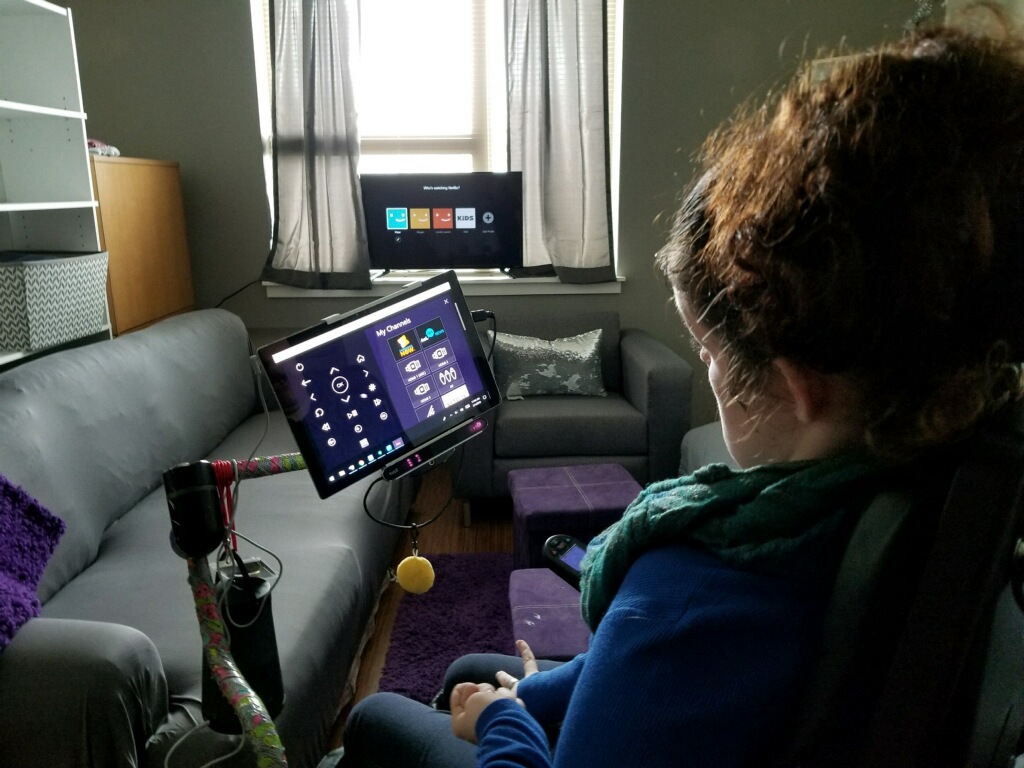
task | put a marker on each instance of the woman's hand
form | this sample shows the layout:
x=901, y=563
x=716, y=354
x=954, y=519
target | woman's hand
x=506, y=681
x=468, y=701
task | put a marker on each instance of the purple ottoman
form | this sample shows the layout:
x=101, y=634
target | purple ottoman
x=546, y=614
x=580, y=501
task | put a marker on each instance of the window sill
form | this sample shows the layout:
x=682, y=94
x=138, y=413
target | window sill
x=473, y=284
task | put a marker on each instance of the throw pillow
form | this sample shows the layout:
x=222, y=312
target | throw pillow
x=28, y=537
x=525, y=366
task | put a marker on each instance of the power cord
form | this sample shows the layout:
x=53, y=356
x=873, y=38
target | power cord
x=236, y=292
x=195, y=729
x=237, y=567
x=414, y=527
x=479, y=315
x=228, y=555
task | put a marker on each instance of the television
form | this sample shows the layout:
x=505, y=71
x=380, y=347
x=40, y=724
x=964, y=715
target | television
x=444, y=220
x=388, y=386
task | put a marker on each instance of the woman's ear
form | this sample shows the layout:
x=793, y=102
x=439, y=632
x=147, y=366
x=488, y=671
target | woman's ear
x=807, y=389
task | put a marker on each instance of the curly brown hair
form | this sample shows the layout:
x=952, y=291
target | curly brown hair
x=869, y=222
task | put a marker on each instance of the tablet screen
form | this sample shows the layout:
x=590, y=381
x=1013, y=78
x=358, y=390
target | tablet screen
x=384, y=387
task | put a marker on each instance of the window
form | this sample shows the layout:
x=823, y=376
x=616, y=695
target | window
x=431, y=86
x=421, y=84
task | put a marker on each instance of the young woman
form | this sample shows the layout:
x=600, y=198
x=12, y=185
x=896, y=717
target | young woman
x=850, y=265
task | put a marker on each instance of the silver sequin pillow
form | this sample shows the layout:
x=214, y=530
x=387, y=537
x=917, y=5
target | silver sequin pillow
x=527, y=366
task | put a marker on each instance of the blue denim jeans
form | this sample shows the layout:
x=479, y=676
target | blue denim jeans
x=390, y=731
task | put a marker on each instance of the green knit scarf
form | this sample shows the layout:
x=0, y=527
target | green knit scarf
x=758, y=519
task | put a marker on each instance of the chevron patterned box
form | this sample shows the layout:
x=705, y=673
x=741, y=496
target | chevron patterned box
x=51, y=298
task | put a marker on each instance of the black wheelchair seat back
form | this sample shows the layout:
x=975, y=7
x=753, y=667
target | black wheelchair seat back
x=923, y=655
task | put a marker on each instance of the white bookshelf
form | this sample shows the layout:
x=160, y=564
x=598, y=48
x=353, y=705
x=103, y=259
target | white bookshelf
x=46, y=192
x=46, y=197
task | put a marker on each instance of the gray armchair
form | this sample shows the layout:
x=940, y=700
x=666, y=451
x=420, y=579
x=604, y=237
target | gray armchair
x=638, y=424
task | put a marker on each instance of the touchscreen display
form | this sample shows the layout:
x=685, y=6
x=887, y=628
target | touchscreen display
x=370, y=389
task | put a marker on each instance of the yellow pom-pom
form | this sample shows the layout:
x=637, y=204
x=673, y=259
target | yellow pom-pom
x=415, y=574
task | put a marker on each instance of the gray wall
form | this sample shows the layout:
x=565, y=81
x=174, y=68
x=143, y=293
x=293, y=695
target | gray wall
x=174, y=79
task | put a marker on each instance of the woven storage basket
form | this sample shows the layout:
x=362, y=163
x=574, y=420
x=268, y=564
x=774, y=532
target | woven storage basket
x=48, y=298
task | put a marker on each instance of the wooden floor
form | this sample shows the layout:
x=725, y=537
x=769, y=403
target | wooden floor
x=490, y=530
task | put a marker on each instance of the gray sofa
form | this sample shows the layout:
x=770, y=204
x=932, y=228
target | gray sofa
x=110, y=673
x=639, y=424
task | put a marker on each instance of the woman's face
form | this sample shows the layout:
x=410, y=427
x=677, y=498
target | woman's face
x=752, y=437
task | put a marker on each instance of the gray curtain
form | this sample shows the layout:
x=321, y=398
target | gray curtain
x=558, y=135
x=319, y=233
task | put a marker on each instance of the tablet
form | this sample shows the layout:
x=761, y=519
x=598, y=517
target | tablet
x=387, y=387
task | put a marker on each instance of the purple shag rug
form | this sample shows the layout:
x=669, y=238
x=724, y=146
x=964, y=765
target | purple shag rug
x=466, y=611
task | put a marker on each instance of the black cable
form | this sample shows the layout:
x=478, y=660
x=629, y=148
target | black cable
x=402, y=526
x=235, y=293
x=479, y=315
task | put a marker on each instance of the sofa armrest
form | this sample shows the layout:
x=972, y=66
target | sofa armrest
x=658, y=383
x=79, y=693
x=702, y=446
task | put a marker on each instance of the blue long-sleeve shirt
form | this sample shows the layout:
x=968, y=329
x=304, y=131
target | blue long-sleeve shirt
x=696, y=663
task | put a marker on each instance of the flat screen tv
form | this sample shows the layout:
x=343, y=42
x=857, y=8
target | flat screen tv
x=388, y=386
x=444, y=220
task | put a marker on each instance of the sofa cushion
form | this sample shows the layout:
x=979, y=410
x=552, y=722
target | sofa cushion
x=549, y=425
x=527, y=366
x=97, y=426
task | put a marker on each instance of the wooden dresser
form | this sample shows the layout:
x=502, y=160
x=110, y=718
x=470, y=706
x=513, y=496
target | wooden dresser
x=142, y=227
